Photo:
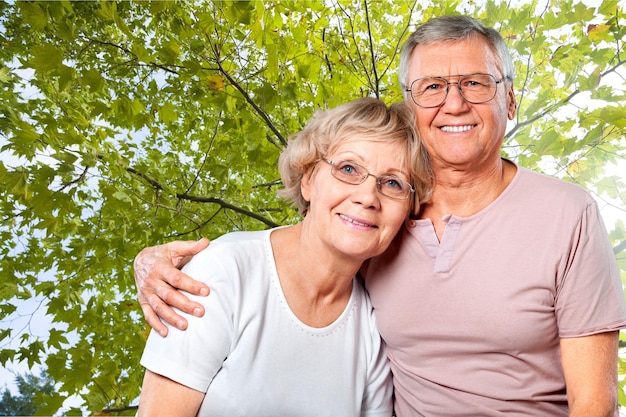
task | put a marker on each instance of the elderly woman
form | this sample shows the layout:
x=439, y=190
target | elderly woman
x=289, y=329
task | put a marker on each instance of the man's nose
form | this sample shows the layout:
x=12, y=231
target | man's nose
x=454, y=97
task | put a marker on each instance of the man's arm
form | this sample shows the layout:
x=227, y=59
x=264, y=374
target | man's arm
x=590, y=368
x=160, y=396
x=158, y=280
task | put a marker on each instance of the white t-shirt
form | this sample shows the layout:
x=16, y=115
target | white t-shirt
x=253, y=357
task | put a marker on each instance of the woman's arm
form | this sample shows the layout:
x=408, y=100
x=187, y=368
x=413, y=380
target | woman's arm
x=158, y=278
x=590, y=368
x=160, y=396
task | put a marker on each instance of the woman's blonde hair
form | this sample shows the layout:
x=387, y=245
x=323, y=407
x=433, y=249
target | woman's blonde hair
x=366, y=118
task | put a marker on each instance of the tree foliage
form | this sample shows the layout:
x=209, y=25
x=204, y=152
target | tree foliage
x=126, y=124
x=33, y=391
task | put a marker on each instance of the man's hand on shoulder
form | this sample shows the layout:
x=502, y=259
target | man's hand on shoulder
x=158, y=279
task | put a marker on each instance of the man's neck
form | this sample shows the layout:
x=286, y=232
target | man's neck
x=464, y=194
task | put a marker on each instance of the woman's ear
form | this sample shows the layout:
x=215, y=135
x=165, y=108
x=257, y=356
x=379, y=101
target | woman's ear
x=305, y=185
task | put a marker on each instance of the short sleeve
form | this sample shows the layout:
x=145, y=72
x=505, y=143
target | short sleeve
x=193, y=357
x=590, y=297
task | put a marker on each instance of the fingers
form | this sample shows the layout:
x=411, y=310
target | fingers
x=157, y=307
x=158, y=294
x=153, y=320
x=170, y=295
x=182, y=250
x=181, y=281
x=158, y=281
x=201, y=245
x=156, y=310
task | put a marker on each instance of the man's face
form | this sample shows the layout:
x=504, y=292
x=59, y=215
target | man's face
x=460, y=135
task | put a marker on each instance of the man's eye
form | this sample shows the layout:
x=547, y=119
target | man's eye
x=472, y=83
x=431, y=87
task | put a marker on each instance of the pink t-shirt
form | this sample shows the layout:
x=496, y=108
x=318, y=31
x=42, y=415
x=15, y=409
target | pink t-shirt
x=472, y=324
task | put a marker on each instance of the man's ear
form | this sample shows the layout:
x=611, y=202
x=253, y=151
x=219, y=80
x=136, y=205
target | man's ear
x=512, y=104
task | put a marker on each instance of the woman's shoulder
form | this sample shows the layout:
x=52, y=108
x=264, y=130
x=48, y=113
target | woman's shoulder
x=236, y=253
x=364, y=310
x=236, y=243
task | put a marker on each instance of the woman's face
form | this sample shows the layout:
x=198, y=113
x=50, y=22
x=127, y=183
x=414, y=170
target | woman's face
x=356, y=221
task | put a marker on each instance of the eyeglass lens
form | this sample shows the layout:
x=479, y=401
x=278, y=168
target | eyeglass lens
x=475, y=88
x=353, y=173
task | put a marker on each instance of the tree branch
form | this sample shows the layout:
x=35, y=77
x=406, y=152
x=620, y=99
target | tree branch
x=326, y=60
x=134, y=57
x=400, y=39
x=214, y=200
x=350, y=61
x=229, y=206
x=372, y=54
x=259, y=110
x=155, y=184
x=206, y=157
x=107, y=411
x=555, y=106
x=75, y=181
x=255, y=106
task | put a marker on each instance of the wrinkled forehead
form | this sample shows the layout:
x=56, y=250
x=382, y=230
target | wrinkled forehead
x=354, y=137
x=445, y=58
x=400, y=153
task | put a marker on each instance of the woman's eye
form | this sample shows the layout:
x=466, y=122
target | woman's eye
x=393, y=183
x=348, y=169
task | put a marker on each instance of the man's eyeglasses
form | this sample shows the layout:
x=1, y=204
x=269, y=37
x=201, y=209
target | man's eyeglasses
x=355, y=174
x=474, y=88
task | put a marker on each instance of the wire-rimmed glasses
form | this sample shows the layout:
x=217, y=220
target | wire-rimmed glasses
x=474, y=88
x=387, y=184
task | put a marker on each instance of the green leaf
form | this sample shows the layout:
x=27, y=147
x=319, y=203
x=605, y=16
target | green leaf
x=167, y=113
x=4, y=333
x=94, y=80
x=56, y=338
x=31, y=353
x=4, y=75
x=46, y=57
x=34, y=16
x=589, y=82
x=7, y=355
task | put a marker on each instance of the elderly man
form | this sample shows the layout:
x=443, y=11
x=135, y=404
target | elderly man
x=503, y=297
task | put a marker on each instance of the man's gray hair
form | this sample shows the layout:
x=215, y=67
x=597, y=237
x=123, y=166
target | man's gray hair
x=454, y=29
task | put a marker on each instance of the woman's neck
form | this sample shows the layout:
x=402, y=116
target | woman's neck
x=316, y=284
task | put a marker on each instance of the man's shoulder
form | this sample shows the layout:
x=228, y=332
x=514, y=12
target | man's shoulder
x=543, y=186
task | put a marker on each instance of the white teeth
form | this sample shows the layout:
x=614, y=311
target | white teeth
x=456, y=129
x=353, y=221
